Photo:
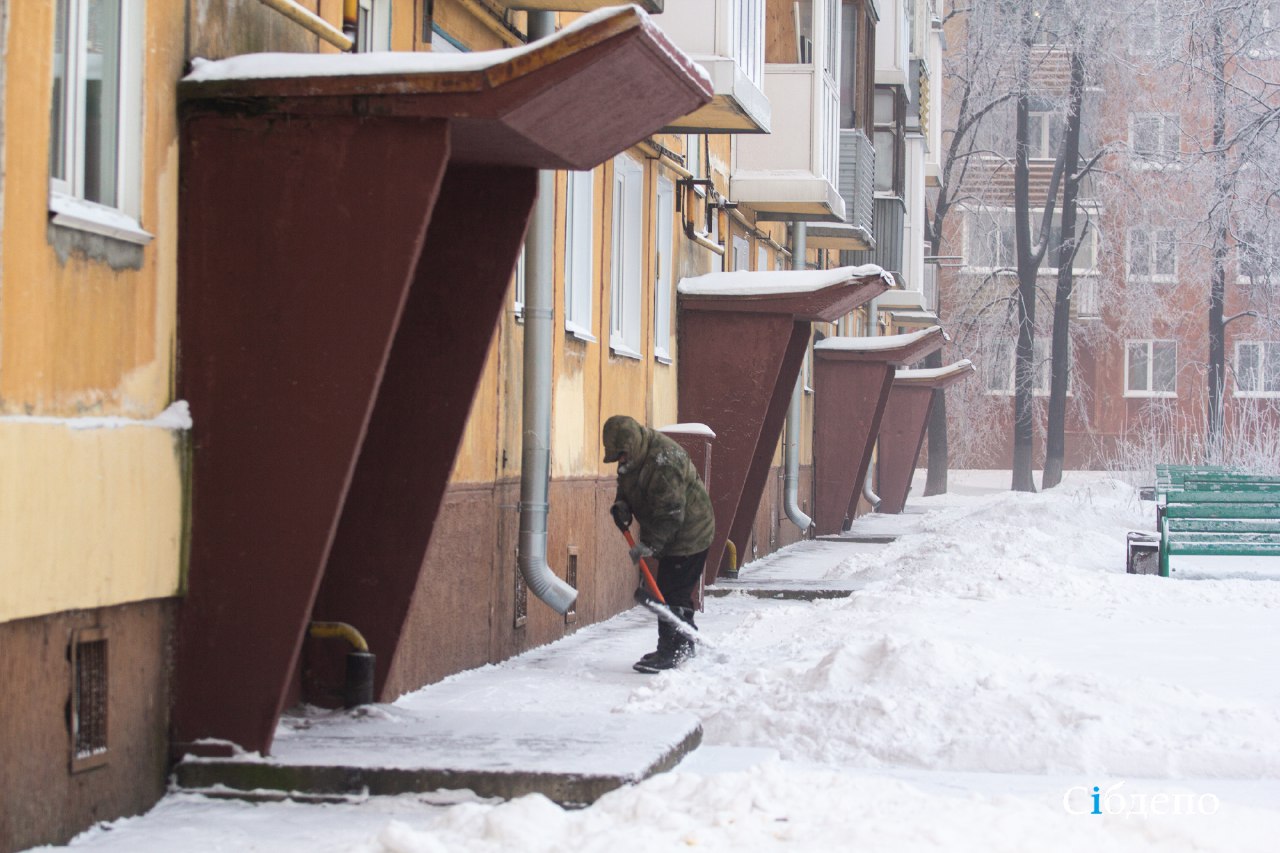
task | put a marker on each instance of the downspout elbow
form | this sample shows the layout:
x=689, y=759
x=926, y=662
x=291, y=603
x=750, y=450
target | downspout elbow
x=791, y=451
x=539, y=577
x=868, y=493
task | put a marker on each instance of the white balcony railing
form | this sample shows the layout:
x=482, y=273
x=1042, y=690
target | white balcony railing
x=725, y=37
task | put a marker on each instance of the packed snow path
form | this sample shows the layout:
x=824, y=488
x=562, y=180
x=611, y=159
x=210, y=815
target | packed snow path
x=994, y=666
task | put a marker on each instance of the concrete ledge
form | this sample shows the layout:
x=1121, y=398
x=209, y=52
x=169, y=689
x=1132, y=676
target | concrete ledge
x=571, y=759
x=862, y=538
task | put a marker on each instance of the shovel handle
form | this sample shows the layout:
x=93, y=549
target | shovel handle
x=644, y=567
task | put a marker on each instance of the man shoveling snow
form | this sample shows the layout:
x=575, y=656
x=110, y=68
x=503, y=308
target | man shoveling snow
x=659, y=487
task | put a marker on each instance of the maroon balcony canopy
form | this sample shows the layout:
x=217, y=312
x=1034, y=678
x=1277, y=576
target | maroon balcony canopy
x=905, y=421
x=349, y=227
x=852, y=378
x=742, y=341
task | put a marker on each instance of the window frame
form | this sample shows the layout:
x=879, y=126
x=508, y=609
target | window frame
x=1168, y=151
x=1152, y=256
x=68, y=205
x=1002, y=218
x=1150, y=350
x=664, y=264
x=579, y=255
x=1260, y=392
x=627, y=241
x=1041, y=124
x=1042, y=367
x=372, y=31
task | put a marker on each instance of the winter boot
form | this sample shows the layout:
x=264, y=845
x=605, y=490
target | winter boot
x=666, y=638
x=678, y=649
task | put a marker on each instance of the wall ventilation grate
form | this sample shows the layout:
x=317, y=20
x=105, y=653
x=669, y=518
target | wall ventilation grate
x=571, y=578
x=521, y=598
x=89, y=699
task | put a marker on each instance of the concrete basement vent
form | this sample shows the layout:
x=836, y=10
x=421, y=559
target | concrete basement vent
x=88, y=717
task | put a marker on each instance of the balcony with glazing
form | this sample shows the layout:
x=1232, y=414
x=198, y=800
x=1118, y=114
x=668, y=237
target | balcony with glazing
x=725, y=37
x=793, y=172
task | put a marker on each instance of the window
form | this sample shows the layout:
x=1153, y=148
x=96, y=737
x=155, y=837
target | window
x=1151, y=368
x=663, y=284
x=741, y=253
x=693, y=154
x=888, y=114
x=1154, y=28
x=96, y=117
x=371, y=28
x=1263, y=26
x=1003, y=363
x=802, y=11
x=579, y=270
x=992, y=242
x=519, y=281
x=1044, y=135
x=1258, y=369
x=1155, y=138
x=762, y=257
x=1257, y=255
x=1153, y=254
x=849, y=64
x=628, y=231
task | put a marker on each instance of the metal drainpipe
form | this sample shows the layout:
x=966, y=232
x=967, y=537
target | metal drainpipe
x=873, y=329
x=539, y=322
x=791, y=450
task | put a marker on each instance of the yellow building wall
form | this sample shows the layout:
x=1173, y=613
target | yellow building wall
x=88, y=518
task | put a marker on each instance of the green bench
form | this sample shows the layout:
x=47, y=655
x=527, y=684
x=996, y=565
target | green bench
x=1207, y=511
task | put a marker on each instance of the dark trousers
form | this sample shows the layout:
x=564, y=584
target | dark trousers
x=678, y=578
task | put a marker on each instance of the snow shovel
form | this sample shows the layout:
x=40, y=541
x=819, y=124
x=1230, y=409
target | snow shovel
x=654, y=600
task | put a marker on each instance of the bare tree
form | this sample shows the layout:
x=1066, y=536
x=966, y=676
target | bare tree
x=1029, y=254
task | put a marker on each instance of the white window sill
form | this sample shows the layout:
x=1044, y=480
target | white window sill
x=662, y=357
x=1154, y=279
x=1162, y=395
x=620, y=349
x=80, y=215
x=1259, y=395
x=579, y=333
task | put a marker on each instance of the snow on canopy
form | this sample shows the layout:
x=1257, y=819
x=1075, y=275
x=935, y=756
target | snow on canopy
x=689, y=429
x=774, y=282
x=273, y=66
x=926, y=373
x=877, y=343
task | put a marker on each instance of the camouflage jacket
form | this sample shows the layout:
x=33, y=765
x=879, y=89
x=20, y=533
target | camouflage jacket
x=663, y=490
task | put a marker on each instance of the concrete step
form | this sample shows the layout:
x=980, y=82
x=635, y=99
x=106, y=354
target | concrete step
x=573, y=759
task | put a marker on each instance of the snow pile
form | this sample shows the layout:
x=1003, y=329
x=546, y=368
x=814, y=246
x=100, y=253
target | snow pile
x=993, y=668
x=930, y=667
x=774, y=808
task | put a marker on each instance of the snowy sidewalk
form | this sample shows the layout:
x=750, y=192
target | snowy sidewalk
x=995, y=669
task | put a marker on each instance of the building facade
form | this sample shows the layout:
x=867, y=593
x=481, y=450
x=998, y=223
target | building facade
x=175, y=319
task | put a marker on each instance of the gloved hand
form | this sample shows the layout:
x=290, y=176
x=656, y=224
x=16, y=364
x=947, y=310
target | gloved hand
x=639, y=551
x=621, y=515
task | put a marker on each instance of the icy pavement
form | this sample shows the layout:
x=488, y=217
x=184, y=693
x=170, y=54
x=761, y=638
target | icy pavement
x=995, y=672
